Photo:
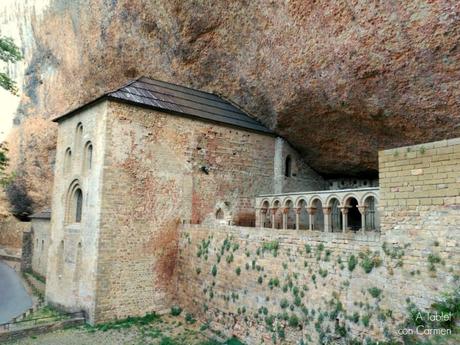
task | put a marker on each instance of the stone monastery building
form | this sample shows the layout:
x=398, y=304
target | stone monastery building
x=138, y=161
x=140, y=164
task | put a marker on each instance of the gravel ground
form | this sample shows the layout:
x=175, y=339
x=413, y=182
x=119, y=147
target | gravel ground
x=166, y=331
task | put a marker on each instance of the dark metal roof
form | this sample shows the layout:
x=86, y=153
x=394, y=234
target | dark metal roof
x=182, y=100
x=45, y=214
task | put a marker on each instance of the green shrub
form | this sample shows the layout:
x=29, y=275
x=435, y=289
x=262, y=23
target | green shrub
x=284, y=303
x=176, y=310
x=375, y=291
x=297, y=301
x=365, y=320
x=238, y=271
x=307, y=249
x=189, y=318
x=352, y=262
x=214, y=270
x=293, y=321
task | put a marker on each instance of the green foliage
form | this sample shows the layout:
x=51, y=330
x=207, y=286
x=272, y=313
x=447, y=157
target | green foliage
x=126, y=323
x=375, y=291
x=365, y=319
x=449, y=303
x=293, y=321
x=273, y=282
x=369, y=261
x=203, y=248
x=433, y=259
x=297, y=301
x=229, y=258
x=9, y=52
x=395, y=252
x=214, y=270
x=189, y=318
x=4, y=179
x=176, y=310
x=269, y=320
x=260, y=280
x=352, y=262
x=238, y=271
x=272, y=247
x=307, y=249
x=284, y=303
x=322, y=273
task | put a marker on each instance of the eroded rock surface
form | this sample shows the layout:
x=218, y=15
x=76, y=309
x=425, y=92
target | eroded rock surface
x=339, y=79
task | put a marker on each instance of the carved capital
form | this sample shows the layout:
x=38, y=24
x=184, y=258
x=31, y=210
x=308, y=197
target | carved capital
x=362, y=209
x=327, y=210
x=311, y=210
x=344, y=209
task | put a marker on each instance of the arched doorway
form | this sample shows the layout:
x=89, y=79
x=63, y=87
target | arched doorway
x=265, y=216
x=371, y=213
x=278, y=219
x=303, y=215
x=318, y=218
x=336, y=216
x=290, y=215
x=353, y=215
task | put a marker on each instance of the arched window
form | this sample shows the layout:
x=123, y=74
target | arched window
x=88, y=156
x=220, y=214
x=288, y=166
x=78, y=205
x=67, y=160
x=74, y=204
x=78, y=135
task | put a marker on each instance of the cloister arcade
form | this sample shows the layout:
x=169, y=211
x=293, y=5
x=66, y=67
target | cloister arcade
x=329, y=210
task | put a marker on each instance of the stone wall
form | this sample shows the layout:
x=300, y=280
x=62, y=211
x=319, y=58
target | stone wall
x=40, y=241
x=173, y=169
x=262, y=284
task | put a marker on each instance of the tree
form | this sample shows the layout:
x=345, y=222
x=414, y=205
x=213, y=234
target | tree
x=9, y=52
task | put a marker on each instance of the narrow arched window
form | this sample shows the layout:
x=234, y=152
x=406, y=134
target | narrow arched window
x=67, y=160
x=78, y=135
x=220, y=214
x=288, y=166
x=78, y=197
x=74, y=203
x=88, y=156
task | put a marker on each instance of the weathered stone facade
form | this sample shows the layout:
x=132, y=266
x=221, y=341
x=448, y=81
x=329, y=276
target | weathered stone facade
x=153, y=208
x=151, y=171
x=74, y=247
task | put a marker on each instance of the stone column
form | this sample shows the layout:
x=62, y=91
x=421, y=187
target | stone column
x=285, y=216
x=327, y=218
x=344, y=210
x=311, y=212
x=363, y=210
x=297, y=217
x=273, y=212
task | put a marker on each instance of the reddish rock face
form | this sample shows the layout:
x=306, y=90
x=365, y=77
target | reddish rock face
x=339, y=80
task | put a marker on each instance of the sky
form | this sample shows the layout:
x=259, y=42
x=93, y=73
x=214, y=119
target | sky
x=14, y=17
